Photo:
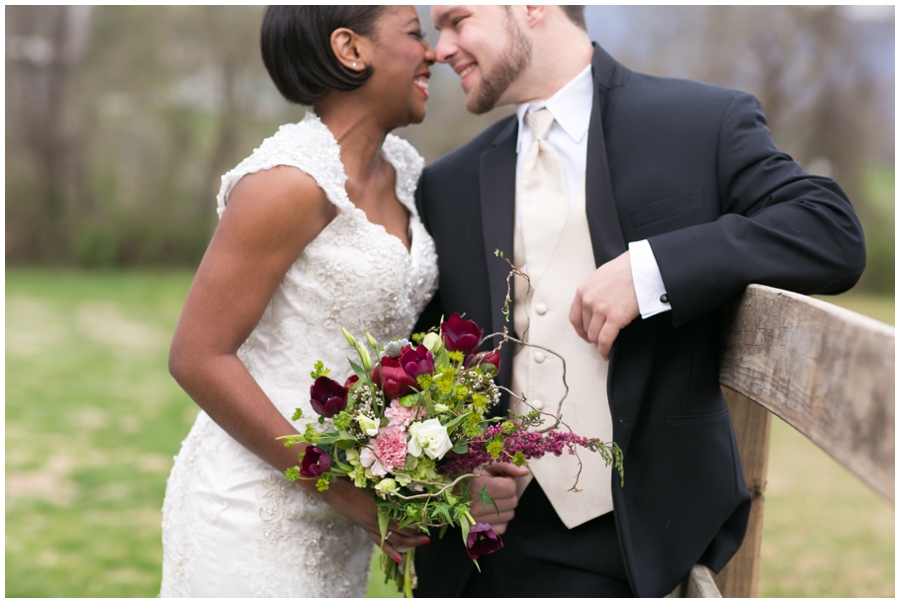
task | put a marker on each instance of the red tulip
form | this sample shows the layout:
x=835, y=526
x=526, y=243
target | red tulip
x=417, y=362
x=482, y=541
x=488, y=361
x=393, y=380
x=460, y=335
x=315, y=462
x=327, y=397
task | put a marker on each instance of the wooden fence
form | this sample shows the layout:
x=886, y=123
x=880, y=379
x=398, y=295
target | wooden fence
x=826, y=371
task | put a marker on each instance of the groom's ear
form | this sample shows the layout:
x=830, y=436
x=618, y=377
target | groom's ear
x=350, y=48
x=534, y=14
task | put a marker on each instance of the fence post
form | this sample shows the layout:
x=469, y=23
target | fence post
x=752, y=427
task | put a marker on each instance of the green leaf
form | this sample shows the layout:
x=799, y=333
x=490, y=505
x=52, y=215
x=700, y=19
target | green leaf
x=409, y=400
x=464, y=524
x=443, y=509
x=486, y=499
x=443, y=531
x=383, y=521
x=450, y=425
x=358, y=371
x=461, y=448
x=343, y=466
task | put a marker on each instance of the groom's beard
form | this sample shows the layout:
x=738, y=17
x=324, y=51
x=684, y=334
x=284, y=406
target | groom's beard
x=495, y=83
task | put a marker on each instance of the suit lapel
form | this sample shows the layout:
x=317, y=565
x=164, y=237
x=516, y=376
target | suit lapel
x=600, y=205
x=631, y=356
x=497, y=187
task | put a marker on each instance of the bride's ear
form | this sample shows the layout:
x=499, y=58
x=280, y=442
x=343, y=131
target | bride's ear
x=350, y=49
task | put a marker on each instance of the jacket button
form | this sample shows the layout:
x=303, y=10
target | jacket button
x=537, y=404
x=540, y=309
x=539, y=357
x=664, y=299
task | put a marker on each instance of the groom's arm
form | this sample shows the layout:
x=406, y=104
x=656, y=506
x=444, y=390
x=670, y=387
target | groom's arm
x=780, y=226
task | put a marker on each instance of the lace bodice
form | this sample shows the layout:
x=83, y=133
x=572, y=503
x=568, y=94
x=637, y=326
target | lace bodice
x=354, y=274
x=233, y=525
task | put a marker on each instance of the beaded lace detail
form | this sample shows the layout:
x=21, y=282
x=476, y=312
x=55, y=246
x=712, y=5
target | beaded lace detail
x=354, y=274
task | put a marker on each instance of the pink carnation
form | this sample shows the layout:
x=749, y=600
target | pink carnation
x=402, y=416
x=368, y=460
x=390, y=448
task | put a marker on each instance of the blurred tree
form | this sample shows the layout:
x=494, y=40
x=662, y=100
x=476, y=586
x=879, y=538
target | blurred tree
x=120, y=119
x=45, y=47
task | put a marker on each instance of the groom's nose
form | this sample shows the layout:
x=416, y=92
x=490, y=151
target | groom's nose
x=446, y=47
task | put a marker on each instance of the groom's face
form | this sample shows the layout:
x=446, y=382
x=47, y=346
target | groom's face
x=487, y=49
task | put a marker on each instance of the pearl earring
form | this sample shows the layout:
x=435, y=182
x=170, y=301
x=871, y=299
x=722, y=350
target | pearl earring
x=354, y=63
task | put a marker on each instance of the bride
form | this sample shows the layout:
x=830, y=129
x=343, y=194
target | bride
x=318, y=230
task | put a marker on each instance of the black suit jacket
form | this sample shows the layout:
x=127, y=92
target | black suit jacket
x=691, y=168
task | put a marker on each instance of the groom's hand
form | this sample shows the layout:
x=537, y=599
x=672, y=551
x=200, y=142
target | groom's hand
x=605, y=303
x=500, y=479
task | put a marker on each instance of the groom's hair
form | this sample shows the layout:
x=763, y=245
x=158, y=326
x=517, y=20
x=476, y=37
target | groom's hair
x=576, y=15
x=295, y=41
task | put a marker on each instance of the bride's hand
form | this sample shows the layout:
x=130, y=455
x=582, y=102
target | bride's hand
x=358, y=506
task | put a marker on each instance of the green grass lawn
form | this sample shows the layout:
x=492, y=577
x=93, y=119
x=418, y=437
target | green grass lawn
x=93, y=420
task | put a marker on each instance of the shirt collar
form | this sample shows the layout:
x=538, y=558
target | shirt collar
x=570, y=107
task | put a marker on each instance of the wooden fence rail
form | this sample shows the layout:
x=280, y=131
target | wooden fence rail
x=824, y=370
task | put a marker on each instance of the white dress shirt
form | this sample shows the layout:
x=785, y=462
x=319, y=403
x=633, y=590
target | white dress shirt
x=571, y=108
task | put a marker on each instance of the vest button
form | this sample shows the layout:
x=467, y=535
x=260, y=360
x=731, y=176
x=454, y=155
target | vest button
x=539, y=357
x=537, y=404
x=540, y=309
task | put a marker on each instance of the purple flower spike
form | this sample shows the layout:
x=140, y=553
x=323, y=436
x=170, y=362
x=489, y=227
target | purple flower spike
x=482, y=541
x=327, y=397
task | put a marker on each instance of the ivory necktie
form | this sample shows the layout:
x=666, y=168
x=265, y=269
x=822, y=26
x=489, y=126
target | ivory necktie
x=543, y=199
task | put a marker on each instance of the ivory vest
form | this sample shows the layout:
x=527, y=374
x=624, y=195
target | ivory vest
x=541, y=316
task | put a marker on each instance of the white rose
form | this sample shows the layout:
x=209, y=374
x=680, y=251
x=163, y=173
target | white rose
x=429, y=437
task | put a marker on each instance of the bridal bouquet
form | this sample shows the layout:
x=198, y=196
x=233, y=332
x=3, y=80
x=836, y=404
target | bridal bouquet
x=413, y=426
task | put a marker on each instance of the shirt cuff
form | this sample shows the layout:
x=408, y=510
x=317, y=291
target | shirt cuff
x=648, y=283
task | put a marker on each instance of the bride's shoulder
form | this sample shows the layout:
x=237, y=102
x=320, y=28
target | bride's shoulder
x=307, y=142
x=306, y=145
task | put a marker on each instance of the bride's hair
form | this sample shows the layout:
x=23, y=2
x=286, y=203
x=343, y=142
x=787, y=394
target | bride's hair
x=296, y=48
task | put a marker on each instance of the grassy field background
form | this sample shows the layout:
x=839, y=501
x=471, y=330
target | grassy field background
x=93, y=420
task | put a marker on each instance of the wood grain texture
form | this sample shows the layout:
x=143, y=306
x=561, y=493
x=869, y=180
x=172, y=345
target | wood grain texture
x=826, y=371
x=752, y=427
x=700, y=584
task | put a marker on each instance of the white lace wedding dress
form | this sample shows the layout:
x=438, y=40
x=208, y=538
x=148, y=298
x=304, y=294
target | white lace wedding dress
x=232, y=525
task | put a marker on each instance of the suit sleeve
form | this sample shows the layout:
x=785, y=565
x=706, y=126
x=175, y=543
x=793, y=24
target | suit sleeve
x=779, y=226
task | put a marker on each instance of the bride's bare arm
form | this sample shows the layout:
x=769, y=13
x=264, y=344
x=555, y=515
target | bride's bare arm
x=270, y=218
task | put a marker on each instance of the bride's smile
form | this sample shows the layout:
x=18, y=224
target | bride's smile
x=399, y=57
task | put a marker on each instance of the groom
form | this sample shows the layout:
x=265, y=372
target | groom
x=638, y=206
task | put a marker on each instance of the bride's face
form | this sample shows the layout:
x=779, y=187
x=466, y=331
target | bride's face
x=400, y=62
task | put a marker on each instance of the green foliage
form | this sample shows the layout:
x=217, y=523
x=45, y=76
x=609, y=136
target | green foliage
x=319, y=371
x=877, y=218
